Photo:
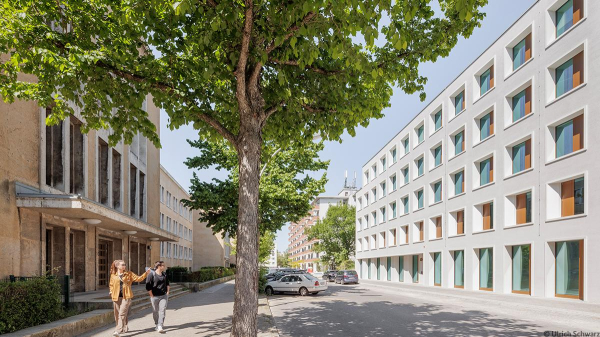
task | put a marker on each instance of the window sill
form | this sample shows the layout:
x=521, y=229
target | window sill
x=457, y=114
x=483, y=186
x=456, y=155
x=435, y=203
x=436, y=131
x=565, y=33
x=484, y=94
x=417, y=177
x=402, y=244
x=435, y=239
x=456, y=236
x=420, y=241
x=484, y=140
x=433, y=168
x=567, y=217
x=416, y=146
x=519, y=68
x=406, y=184
x=551, y=161
x=518, y=121
x=404, y=155
x=392, y=191
x=457, y=195
x=527, y=224
x=418, y=209
x=402, y=215
x=518, y=173
x=484, y=231
x=392, y=164
x=566, y=94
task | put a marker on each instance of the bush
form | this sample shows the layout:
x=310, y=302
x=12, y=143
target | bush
x=28, y=303
x=262, y=279
x=210, y=273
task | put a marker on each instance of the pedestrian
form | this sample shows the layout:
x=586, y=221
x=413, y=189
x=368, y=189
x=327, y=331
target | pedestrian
x=121, y=293
x=158, y=288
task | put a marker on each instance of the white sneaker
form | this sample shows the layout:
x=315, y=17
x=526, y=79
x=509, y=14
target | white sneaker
x=116, y=334
x=156, y=328
x=160, y=329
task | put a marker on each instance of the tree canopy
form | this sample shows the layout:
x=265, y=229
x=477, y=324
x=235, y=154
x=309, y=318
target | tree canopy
x=285, y=191
x=336, y=234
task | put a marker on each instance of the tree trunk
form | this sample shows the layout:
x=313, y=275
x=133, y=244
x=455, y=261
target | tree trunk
x=245, y=308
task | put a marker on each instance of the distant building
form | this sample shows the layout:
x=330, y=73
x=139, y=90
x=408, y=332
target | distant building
x=299, y=247
x=272, y=262
x=210, y=250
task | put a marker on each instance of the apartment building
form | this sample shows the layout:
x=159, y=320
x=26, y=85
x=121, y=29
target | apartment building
x=490, y=187
x=176, y=219
x=300, y=247
x=71, y=204
x=210, y=249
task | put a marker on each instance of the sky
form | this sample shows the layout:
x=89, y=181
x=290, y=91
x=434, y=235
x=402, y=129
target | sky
x=353, y=152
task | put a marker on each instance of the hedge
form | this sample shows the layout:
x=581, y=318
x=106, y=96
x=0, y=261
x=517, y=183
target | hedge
x=29, y=303
x=180, y=274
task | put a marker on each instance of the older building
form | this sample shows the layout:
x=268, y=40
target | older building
x=210, y=250
x=70, y=203
x=177, y=219
x=301, y=249
x=484, y=189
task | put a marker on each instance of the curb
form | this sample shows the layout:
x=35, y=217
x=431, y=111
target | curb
x=266, y=322
x=82, y=323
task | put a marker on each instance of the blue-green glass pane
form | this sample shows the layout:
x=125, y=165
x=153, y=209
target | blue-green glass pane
x=438, y=191
x=378, y=269
x=405, y=202
x=567, y=268
x=564, y=78
x=406, y=146
x=458, y=102
x=486, y=275
x=393, y=156
x=438, y=120
x=393, y=183
x=458, y=183
x=420, y=199
x=518, y=158
x=520, y=270
x=519, y=54
x=401, y=268
x=420, y=167
x=564, y=139
x=405, y=173
x=459, y=268
x=437, y=262
x=484, y=125
x=484, y=169
x=415, y=268
x=484, y=81
x=394, y=210
x=438, y=155
x=458, y=143
x=518, y=104
x=564, y=18
x=369, y=269
x=578, y=195
x=420, y=134
x=389, y=268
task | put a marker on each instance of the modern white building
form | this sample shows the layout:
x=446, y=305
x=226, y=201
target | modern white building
x=491, y=186
x=272, y=262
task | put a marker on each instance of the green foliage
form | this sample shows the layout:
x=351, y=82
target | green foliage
x=346, y=265
x=283, y=259
x=262, y=279
x=265, y=246
x=29, y=303
x=285, y=188
x=206, y=274
x=337, y=234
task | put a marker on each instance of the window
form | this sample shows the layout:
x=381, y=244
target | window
x=366, y=177
x=383, y=164
x=459, y=268
x=405, y=230
x=419, y=163
x=569, y=269
x=378, y=269
x=374, y=192
x=406, y=145
x=102, y=172
x=523, y=208
x=374, y=216
x=459, y=142
x=437, y=223
x=488, y=216
x=486, y=126
x=419, y=199
x=521, y=269
x=142, y=194
x=459, y=182
x=521, y=156
x=367, y=199
x=437, y=120
x=521, y=104
x=76, y=157
x=486, y=171
x=569, y=136
x=572, y=197
x=460, y=222
x=383, y=190
x=393, y=155
x=369, y=269
x=393, y=181
x=405, y=174
x=383, y=214
x=401, y=268
x=415, y=269
x=420, y=134
x=486, y=81
x=405, y=204
x=162, y=194
x=437, y=270
x=132, y=190
x=116, y=179
x=459, y=102
x=521, y=52
x=54, y=154
x=437, y=156
x=486, y=270
x=569, y=75
x=567, y=15
x=393, y=208
x=437, y=192
x=374, y=170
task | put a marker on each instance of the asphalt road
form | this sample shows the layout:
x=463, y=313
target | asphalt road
x=373, y=309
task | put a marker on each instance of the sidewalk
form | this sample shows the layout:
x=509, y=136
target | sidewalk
x=206, y=313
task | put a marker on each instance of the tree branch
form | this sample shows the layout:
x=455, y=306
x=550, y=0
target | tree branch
x=309, y=16
x=271, y=110
x=240, y=71
x=211, y=3
x=311, y=68
x=312, y=109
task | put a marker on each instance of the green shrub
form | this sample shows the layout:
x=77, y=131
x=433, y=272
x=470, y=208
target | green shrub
x=262, y=279
x=28, y=303
x=210, y=273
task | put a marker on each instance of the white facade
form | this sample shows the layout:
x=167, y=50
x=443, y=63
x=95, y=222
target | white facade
x=386, y=240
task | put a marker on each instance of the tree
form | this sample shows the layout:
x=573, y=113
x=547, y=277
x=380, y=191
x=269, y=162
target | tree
x=283, y=259
x=247, y=71
x=285, y=191
x=336, y=234
x=265, y=247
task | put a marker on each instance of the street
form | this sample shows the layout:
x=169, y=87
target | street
x=379, y=309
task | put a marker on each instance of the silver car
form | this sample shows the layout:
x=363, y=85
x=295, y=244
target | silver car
x=302, y=284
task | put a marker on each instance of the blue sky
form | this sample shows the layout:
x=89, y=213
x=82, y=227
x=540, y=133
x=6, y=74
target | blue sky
x=353, y=152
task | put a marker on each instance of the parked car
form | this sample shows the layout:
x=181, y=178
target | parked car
x=330, y=275
x=279, y=272
x=302, y=284
x=296, y=272
x=346, y=276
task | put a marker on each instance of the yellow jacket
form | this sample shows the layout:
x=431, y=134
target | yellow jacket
x=128, y=279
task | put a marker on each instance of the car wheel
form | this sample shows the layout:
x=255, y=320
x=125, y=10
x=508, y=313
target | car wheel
x=303, y=291
x=269, y=291
x=315, y=293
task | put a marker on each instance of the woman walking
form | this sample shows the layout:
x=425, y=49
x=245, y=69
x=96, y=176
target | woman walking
x=157, y=285
x=121, y=293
